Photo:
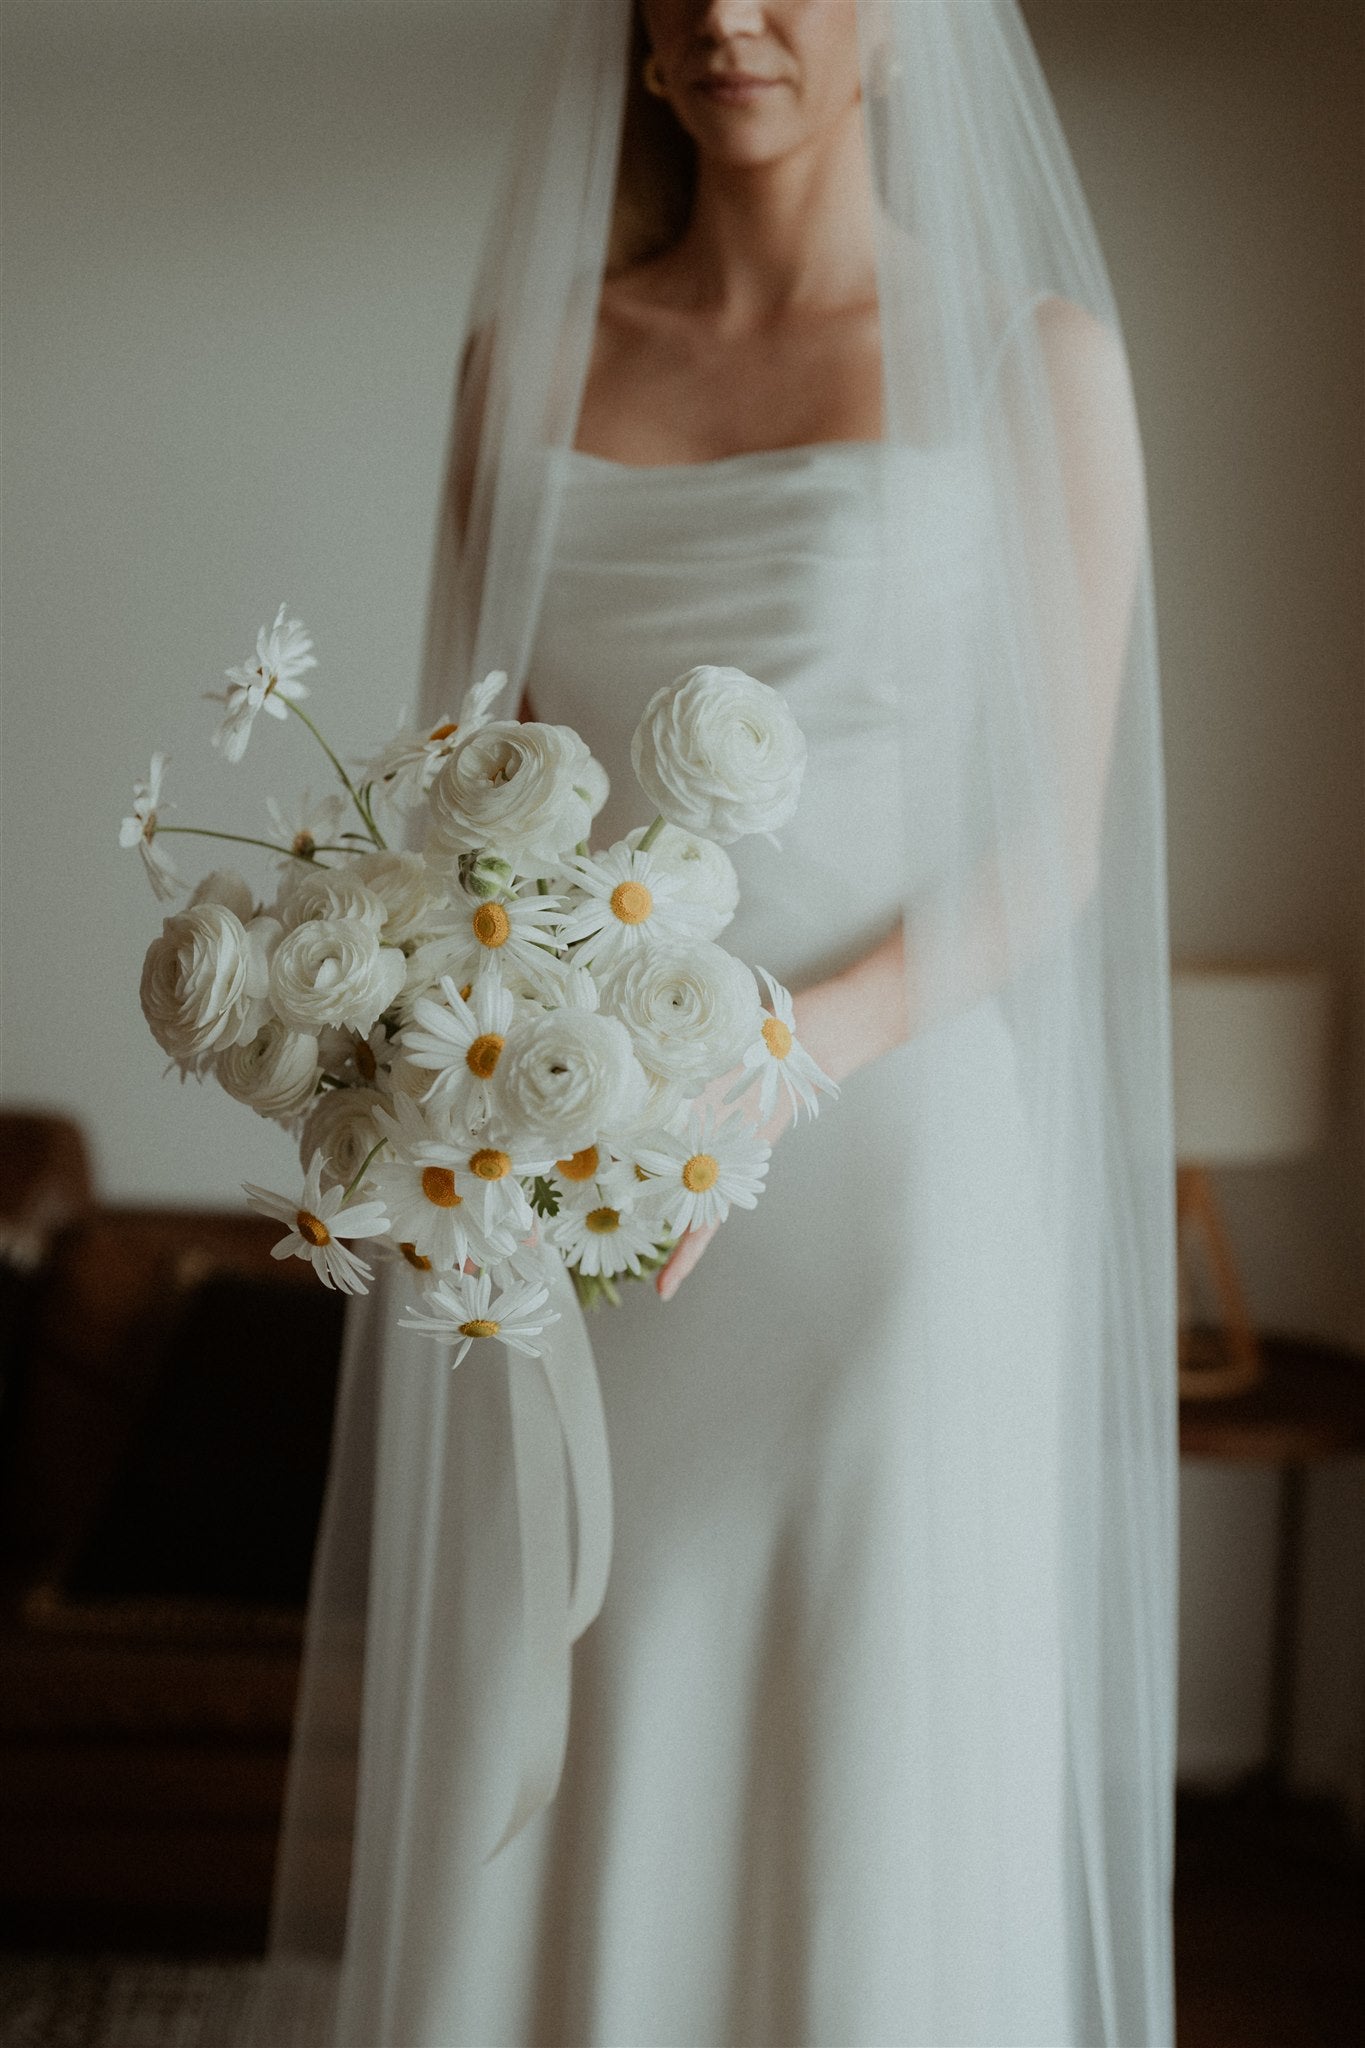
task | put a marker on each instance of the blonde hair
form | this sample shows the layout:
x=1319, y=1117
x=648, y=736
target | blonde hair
x=657, y=173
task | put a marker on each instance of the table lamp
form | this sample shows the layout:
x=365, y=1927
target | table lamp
x=1251, y=1049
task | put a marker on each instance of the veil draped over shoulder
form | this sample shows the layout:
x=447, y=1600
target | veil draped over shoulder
x=1002, y=349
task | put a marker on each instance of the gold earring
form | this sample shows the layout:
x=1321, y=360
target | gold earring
x=654, y=81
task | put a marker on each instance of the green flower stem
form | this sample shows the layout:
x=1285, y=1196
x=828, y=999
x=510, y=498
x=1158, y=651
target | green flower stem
x=239, y=838
x=650, y=834
x=364, y=1169
x=375, y=834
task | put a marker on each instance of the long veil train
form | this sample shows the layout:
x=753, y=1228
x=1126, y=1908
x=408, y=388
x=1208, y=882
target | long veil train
x=1000, y=336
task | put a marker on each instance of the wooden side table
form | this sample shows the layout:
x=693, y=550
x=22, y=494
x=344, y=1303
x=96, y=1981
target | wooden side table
x=1308, y=1407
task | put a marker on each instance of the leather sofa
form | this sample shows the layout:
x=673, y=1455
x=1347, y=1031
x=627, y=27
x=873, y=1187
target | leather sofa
x=166, y=1395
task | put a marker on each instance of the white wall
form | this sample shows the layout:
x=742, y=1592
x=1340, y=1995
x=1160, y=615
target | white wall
x=237, y=242
x=1219, y=144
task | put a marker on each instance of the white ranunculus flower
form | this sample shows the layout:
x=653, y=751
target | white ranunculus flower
x=705, y=871
x=314, y=892
x=343, y=1130
x=227, y=887
x=275, y=1073
x=567, y=1076
x=720, y=754
x=529, y=792
x=416, y=905
x=333, y=970
x=690, y=1011
x=662, y=1101
x=594, y=785
x=205, y=980
x=578, y=991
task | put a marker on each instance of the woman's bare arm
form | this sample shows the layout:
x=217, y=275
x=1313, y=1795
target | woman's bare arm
x=862, y=1013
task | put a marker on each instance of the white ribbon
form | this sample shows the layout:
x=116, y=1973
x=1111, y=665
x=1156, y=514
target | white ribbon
x=557, y=1422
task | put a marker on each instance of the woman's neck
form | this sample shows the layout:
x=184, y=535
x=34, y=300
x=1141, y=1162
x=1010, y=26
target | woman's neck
x=767, y=241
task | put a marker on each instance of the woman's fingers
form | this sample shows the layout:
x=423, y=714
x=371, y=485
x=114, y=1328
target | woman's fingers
x=683, y=1258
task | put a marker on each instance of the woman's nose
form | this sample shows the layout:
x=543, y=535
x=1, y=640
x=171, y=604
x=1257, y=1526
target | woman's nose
x=723, y=18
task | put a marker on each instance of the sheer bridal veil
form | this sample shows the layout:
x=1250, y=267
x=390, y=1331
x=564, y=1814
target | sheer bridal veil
x=1004, y=375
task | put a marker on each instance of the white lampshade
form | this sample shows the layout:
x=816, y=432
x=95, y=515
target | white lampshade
x=1252, y=1060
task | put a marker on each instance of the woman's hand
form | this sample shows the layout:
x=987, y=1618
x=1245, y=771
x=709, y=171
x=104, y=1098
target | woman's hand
x=844, y=1023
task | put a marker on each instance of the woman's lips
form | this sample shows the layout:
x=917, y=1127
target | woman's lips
x=735, y=89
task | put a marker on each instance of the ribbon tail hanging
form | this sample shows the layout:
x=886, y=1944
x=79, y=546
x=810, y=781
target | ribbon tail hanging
x=558, y=1440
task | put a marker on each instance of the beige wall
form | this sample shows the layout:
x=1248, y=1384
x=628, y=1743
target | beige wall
x=1219, y=144
x=237, y=241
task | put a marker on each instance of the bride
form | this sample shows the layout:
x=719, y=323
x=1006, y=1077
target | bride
x=793, y=351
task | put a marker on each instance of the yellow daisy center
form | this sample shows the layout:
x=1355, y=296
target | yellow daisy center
x=482, y=1055
x=700, y=1173
x=490, y=1165
x=631, y=902
x=580, y=1166
x=482, y=1326
x=438, y=1185
x=311, y=1228
x=365, y=1063
x=492, y=925
x=442, y=732
x=415, y=1258
x=602, y=1221
x=776, y=1037
x=303, y=844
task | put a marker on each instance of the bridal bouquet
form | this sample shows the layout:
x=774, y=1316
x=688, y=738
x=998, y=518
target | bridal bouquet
x=503, y=1044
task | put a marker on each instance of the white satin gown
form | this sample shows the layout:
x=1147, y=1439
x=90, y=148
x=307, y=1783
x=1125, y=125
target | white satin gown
x=815, y=1790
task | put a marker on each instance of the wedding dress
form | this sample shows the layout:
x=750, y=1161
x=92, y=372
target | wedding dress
x=735, y=1853
x=872, y=1741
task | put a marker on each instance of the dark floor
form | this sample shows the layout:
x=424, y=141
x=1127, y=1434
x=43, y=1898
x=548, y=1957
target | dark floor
x=1269, y=1924
x=1270, y=1949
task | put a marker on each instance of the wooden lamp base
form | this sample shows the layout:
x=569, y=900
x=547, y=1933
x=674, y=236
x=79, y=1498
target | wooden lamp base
x=1223, y=1358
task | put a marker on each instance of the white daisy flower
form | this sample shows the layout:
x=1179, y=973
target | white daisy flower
x=587, y=1179
x=433, y=1198
x=705, y=870
x=602, y=1240
x=775, y=1058
x=705, y=1170
x=405, y=769
x=628, y=900
x=506, y=1209
x=357, y=1058
x=460, y=1042
x=139, y=830
x=317, y=1222
x=283, y=654
x=462, y=1309
x=519, y=932
x=306, y=824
